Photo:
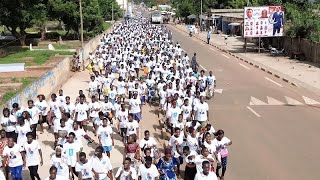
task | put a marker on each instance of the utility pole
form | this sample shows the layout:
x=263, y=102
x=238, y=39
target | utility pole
x=112, y=13
x=81, y=29
x=201, y=16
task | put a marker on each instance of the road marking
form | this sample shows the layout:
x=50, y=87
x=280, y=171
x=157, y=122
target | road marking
x=244, y=66
x=256, y=101
x=202, y=67
x=213, y=49
x=255, y=113
x=292, y=101
x=310, y=101
x=218, y=91
x=225, y=56
x=273, y=81
x=272, y=101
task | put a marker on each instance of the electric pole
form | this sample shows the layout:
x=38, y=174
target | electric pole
x=81, y=31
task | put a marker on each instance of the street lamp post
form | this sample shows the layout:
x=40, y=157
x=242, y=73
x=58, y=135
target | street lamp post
x=81, y=29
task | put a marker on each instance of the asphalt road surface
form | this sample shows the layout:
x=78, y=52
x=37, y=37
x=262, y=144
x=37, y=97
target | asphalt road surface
x=274, y=126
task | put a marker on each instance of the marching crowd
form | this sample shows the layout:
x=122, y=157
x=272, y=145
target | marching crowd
x=137, y=64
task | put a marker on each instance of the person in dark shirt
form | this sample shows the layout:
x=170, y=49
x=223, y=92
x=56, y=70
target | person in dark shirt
x=194, y=63
x=278, y=21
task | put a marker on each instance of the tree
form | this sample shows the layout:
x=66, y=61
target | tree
x=106, y=9
x=17, y=16
x=40, y=16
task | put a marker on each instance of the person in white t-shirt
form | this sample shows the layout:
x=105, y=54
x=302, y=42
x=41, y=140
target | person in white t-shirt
x=211, y=84
x=34, y=114
x=84, y=167
x=71, y=151
x=148, y=171
x=93, y=87
x=122, y=117
x=135, y=107
x=173, y=114
x=42, y=105
x=206, y=174
x=221, y=143
x=82, y=113
x=94, y=109
x=148, y=142
x=22, y=129
x=126, y=171
x=132, y=126
x=53, y=174
x=59, y=160
x=102, y=168
x=105, y=135
x=8, y=122
x=33, y=155
x=16, y=157
x=202, y=112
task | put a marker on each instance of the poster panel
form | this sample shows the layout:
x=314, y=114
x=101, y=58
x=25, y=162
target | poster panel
x=263, y=21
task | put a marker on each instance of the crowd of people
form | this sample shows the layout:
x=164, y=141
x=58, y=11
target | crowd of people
x=138, y=63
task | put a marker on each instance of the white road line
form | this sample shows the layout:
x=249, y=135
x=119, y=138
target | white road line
x=255, y=113
x=273, y=81
x=202, y=67
x=225, y=56
x=244, y=66
x=213, y=49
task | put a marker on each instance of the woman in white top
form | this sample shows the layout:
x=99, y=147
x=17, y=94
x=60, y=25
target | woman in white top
x=221, y=143
x=22, y=129
x=34, y=117
x=60, y=162
x=8, y=122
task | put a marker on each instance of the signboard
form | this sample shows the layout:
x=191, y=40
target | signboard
x=263, y=21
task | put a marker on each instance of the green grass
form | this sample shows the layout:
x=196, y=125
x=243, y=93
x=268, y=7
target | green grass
x=10, y=94
x=106, y=25
x=39, y=57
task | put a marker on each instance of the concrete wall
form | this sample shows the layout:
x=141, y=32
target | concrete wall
x=50, y=82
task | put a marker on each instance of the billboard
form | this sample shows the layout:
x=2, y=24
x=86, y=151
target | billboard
x=263, y=21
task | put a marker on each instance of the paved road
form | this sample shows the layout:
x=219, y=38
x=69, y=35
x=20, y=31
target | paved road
x=273, y=138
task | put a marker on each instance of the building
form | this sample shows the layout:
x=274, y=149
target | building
x=228, y=20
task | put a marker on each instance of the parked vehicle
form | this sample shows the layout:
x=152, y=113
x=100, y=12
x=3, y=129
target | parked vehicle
x=156, y=17
x=276, y=52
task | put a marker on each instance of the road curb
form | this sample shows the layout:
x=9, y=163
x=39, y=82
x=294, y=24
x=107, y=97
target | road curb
x=285, y=78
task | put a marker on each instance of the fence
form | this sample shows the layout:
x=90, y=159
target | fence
x=309, y=48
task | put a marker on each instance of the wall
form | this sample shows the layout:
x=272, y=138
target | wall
x=50, y=82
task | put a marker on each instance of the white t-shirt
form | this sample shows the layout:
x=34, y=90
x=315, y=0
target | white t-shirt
x=174, y=146
x=121, y=87
x=186, y=110
x=14, y=155
x=41, y=105
x=125, y=174
x=211, y=147
x=135, y=105
x=221, y=144
x=193, y=143
x=102, y=167
x=201, y=111
x=82, y=109
x=132, y=127
x=34, y=113
x=173, y=113
x=123, y=118
x=151, y=142
x=93, y=85
x=210, y=176
x=148, y=173
x=199, y=160
x=93, y=106
x=61, y=165
x=105, y=134
x=85, y=169
x=55, y=106
x=69, y=108
x=107, y=107
x=71, y=150
x=22, y=132
x=32, y=153
x=8, y=123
